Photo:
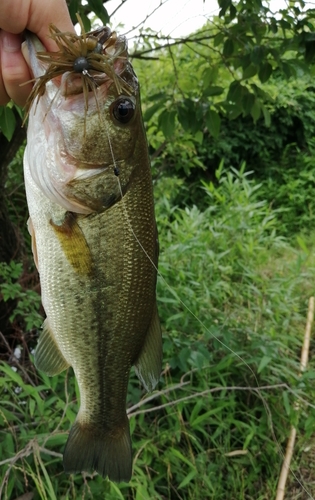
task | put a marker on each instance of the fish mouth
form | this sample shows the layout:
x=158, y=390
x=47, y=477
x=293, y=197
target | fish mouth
x=83, y=64
x=74, y=117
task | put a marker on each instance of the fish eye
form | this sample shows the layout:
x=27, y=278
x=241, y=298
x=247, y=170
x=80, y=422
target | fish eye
x=123, y=109
x=81, y=64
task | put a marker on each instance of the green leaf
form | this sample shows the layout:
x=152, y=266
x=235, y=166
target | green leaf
x=265, y=71
x=192, y=474
x=233, y=12
x=287, y=69
x=214, y=90
x=273, y=27
x=267, y=116
x=235, y=92
x=286, y=402
x=147, y=115
x=249, y=72
x=233, y=110
x=167, y=123
x=257, y=55
x=213, y=122
x=209, y=76
x=265, y=360
x=73, y=9
x=218, y=39
x=309, y=52
x=187, y=115
x=224, y=5
x=302, y=244
x=248, y=102
x=256, y=110
x=99, y=9
x=228, y=48
x=7, y=122
x=86, y=22
x=285, y=25
x=199, y=137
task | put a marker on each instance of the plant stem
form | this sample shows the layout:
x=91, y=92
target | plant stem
x=290, y=446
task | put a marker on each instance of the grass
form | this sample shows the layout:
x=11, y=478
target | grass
x=233, y=301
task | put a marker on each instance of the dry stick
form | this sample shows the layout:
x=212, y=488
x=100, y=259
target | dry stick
x=290, y=446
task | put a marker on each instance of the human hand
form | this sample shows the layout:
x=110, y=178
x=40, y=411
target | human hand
x=15, y=17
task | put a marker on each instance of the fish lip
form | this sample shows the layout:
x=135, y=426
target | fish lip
x=34, y=45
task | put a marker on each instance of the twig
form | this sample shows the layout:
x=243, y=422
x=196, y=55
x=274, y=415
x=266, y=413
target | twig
x=290, y=446
x=196, y=395
x=156, y=395
x=50, y=452
x=28, y=450
x=20, y=367
x=146, y=18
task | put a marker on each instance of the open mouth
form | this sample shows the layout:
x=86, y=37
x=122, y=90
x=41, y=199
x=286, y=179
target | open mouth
x=83, y=64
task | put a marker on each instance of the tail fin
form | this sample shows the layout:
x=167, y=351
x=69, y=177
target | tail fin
x=109, y=453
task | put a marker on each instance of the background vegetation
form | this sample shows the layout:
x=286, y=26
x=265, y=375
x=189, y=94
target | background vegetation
x=230, y=119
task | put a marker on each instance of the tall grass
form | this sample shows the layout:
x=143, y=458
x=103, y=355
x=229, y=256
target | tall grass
x=232, y=300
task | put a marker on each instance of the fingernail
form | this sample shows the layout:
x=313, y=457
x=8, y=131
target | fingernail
x=10, y=42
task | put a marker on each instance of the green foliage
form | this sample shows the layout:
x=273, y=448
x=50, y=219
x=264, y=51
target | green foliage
x=232, y=300
x=290, y=185
x=220, y=72
x=27, y=301
x=278, y=149
x=7, y=121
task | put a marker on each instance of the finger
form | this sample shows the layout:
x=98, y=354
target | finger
x=35, y=15
x=4, y=98
x=14, y=69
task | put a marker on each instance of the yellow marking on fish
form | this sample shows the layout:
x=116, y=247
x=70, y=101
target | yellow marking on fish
x=74, y=244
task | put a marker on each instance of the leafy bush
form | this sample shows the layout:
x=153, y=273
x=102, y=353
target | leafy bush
x=232, y=300
x=27, y=302
x=278, y=147
x=290, y=186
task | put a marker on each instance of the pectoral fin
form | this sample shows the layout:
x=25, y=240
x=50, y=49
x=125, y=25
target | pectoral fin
x=74, y=244
x=48, y=357
x=30, y=228
x=149, y=364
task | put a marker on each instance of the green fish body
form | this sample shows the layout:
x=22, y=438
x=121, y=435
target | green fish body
x=94, y=239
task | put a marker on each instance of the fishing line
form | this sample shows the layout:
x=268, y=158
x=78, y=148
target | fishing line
x=169, y=287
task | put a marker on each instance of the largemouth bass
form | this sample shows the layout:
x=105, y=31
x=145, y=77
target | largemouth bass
x=94, y=237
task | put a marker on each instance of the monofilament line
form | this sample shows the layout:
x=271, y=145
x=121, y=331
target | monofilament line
x=260, y=395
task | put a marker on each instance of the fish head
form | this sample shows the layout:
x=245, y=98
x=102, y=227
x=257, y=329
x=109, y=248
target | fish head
x=85, y=108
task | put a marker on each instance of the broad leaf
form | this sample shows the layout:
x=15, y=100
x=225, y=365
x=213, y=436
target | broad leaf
x=265, y=72
x=167, y=123
x=213, y=122
x=99, y=9
x=7, y=122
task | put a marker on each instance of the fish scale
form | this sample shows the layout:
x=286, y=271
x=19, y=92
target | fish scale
x=94, y=242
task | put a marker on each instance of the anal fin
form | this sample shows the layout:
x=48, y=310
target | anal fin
x=149, y=363
x=48, y=357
